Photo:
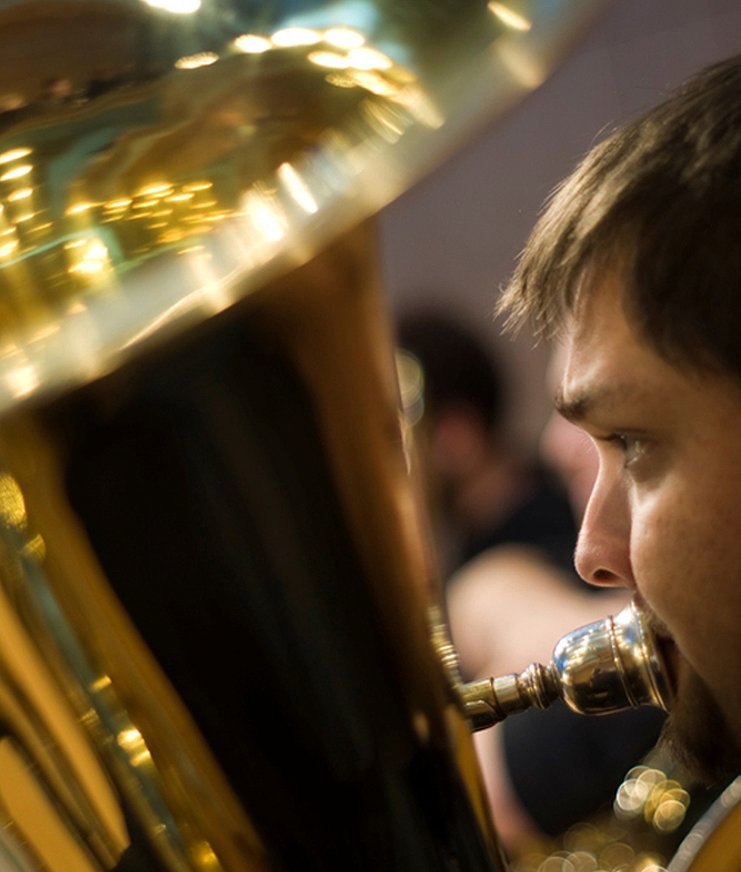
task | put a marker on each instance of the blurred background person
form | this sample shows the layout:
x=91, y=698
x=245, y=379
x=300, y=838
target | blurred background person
x=505, y=521
x=481, y=489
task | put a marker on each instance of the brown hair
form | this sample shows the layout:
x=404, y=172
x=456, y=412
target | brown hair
x=658, y=203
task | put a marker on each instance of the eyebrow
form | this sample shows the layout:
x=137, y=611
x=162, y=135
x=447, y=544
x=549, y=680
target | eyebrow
x=574, y=409
x=603, y=397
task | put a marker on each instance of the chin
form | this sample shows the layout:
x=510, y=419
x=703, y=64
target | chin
x=697, y=734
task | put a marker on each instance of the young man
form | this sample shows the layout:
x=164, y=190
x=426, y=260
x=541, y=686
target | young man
x=636, y=267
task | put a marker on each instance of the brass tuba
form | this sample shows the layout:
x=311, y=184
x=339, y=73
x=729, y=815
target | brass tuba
x=216, y=642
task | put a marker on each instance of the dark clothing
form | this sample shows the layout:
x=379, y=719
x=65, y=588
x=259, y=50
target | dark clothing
x=543, y=520
x=565, y=766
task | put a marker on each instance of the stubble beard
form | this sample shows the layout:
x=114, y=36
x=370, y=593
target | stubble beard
x=697, y=734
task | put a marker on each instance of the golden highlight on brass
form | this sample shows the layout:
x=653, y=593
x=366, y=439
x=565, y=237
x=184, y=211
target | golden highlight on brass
x=214, y=642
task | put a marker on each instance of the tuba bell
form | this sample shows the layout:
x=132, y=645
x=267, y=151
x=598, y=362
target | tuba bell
x=219, y=644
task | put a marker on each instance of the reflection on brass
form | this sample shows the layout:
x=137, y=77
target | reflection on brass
x=56, y=801
x=606, y=666
x=68, y=725
x=239, y=637
x=196, y=149
x=214, y=652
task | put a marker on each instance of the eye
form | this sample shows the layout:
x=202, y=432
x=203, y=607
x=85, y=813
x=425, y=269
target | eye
x=631, y=447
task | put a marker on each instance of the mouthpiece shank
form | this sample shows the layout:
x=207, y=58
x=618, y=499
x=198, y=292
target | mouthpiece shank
x=607, y=666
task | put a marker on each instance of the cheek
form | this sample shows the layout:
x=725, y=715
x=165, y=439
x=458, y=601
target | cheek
x=665, y=559
x=685, y=550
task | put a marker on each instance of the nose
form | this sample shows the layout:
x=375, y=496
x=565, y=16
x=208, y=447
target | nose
x=568, y=450
x=603, y=549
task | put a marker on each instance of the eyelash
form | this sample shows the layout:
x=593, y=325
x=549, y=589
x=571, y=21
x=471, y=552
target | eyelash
x=631, y=447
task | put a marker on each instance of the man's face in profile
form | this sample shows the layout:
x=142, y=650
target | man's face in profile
x=664, y=516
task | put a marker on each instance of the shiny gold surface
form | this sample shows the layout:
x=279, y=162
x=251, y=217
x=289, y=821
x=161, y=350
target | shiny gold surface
x=182, y=190
x=91, y=696
x=139, y=750
x=198, y=148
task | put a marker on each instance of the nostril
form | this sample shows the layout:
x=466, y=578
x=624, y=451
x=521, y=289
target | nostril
x=602, y=555
x=603, y=576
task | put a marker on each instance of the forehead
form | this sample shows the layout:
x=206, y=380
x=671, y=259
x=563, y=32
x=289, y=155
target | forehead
x=610, y=372
x=605, y=360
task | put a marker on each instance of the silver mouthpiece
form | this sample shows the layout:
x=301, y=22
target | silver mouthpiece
x=607, y=666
